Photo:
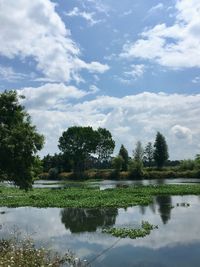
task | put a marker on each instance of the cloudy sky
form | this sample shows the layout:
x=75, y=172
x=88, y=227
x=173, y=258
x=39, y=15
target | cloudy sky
x=132, y=66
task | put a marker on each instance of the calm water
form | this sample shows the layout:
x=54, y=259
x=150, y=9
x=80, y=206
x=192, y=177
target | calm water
x=115, y=183
x=176, y=242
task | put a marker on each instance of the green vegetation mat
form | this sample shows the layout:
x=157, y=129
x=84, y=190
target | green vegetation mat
x=89, y=197
x=132, y=233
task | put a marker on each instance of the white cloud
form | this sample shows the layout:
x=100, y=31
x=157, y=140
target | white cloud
x=196, y=80
x=175, y=46
x=130, y=118
x=181, y=132
x=8, y=74
x=88, y=16
x=53, y=96
x=33, y=29
x=155, y=8
x=137, y=70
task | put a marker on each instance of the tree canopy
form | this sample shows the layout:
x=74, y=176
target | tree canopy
x=19, y=141
x=79, y=143
x=161, y=150
x=124, y=154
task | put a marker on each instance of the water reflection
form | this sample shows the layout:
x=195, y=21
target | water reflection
x=175, y=244
x=165, y=207
x=87, y=220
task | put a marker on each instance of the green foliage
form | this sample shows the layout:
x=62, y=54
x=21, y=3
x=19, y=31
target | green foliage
x=59, y=161
x=19, y=141
x=161, y=150
x=84, y=197
x=80, y=143
x=124, y=154
x=135, y=169
x=138, y=152
x=105, y=145
x=117, y=163
x=148, y=154
x=188, y=164
x=132, y=233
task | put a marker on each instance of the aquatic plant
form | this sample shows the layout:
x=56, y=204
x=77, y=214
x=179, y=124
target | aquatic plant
x=132, y=233
x=91, y=197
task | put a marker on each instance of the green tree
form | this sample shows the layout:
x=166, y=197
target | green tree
x=117, y=163
x=148, y=154
x=19, y=141
x=105, y=145
x=124, y=154
x=161, y=150
x=78, y=143
x=138, y=153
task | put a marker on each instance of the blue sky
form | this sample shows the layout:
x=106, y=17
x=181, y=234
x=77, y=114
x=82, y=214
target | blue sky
x=130, y=66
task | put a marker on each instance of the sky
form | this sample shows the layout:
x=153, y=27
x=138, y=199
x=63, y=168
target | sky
x=130, y=66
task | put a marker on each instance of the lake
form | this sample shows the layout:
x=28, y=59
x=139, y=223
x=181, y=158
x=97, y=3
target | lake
x=175, y=243
x=104, y=184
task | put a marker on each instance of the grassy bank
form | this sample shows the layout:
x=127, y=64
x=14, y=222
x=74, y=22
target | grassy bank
x=91, y=198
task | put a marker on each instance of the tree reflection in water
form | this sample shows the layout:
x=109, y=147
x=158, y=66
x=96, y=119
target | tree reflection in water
x=165, y=206
x=88, y=220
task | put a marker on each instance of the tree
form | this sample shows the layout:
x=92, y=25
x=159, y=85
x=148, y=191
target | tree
x=105, y=145
x=117, y=163
x=148, y=154
x=138, y=153
x=78, y=143
x=161, y=150
x=19, y=141
x=124, y=154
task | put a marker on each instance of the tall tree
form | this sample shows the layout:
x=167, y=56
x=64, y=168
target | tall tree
x=138, y=153
x=161, y=150
x=19, y=141
x=105, y=145
x=148, y=154
x=124, y=154
x=78, y=143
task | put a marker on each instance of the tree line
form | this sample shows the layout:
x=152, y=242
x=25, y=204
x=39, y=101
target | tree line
x=81, y=148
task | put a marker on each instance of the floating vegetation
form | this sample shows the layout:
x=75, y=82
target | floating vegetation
x=132, y=233
x=91, y=197
x=183, y=204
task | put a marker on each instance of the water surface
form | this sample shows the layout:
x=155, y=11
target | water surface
x=176, y=242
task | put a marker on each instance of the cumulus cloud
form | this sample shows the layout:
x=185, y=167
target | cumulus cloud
x=130, y=118
x=52, y=96
x=175, y=46
x=137, y=70
x=33, y=29
x=88, y=16
x=181, y=132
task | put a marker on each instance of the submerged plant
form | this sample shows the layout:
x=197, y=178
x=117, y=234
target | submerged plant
x=132, y=233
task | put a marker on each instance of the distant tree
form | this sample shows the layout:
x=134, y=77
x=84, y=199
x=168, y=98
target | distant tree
x=19, y=141
x=117, y=163
x=78, y=143
x=124, y=154
x=161, y=150
x=148, y=154
x=138, y=153
x=58, y=161
x=105, y=145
